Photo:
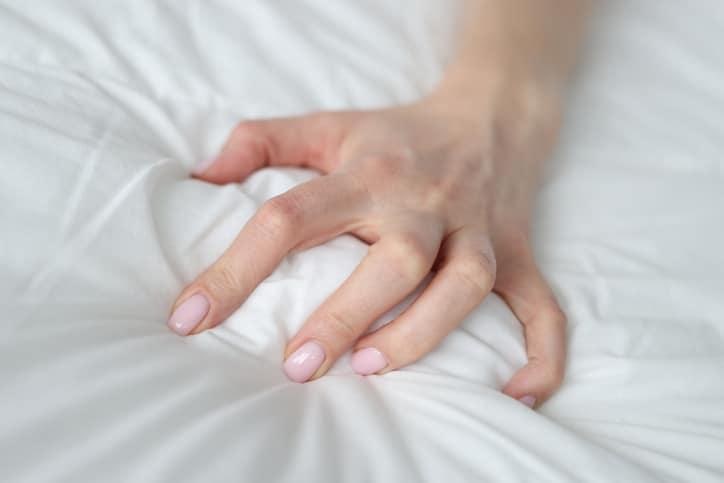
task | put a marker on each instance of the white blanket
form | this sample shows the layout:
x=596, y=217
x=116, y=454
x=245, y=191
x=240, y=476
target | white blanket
x=105, y=106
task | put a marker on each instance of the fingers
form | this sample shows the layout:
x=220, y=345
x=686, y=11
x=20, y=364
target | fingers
x=308, y=141
x=280, y=224
x=392, y=269
x=465, y=277
x=522, y=286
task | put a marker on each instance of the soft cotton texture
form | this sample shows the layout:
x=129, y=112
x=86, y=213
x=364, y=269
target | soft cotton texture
x=106, y=106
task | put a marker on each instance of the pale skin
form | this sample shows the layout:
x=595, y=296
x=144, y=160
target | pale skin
x=443, y=185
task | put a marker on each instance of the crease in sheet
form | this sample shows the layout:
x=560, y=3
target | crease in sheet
x=43, y=280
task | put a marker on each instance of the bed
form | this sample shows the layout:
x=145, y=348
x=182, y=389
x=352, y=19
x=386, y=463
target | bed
x=105, y=107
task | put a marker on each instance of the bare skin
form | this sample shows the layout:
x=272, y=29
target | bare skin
x=445, y=184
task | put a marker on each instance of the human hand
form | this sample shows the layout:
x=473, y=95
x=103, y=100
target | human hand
x=445, y=184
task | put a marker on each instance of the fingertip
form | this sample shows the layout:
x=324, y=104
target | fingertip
x=304, y=363
x=532, y=385
x=187, y=316
x=245, y=151
x=528, y=400
x=368, y=361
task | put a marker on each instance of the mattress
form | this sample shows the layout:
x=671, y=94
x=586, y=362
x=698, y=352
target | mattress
x=106, y=106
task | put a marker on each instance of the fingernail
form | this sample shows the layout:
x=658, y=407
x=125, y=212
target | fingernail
x=188, y=315
x=368, y=361
x=203, y=166
x=528, y=401
x=304, y=362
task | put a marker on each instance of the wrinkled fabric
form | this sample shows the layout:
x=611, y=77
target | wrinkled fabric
x=106, y=106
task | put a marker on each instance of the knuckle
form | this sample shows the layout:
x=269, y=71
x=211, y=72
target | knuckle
x=411, y=347
x=410, y=351
x=549, y=314
x=554, y=313
x=551, y=374
x=223, y=279
x=408, y=256
x=280, y=216
x=390, y=164
x=338, y=326
x=477, y=270
x=250, y=138
x=437, y=195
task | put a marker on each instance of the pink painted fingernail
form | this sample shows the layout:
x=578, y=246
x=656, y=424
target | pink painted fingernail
x=188, y=315
x=304, y=362
x=368, y=361
x=201, y=167
x=528, y=401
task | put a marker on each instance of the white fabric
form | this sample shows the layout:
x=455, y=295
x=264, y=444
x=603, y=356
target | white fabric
x=104, y=106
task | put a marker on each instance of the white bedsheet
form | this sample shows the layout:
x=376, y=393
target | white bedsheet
x=104, y=107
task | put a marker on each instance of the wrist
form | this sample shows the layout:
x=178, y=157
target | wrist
x=519, y=108
x=467, y=89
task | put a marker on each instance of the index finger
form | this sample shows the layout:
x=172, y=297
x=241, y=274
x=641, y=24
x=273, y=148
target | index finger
x=320, y=208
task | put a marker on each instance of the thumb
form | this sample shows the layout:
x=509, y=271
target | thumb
x=305, y=141
x=522, y=286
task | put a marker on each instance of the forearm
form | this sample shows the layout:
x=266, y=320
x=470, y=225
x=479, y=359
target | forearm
x=520, y=43
x=505, y=84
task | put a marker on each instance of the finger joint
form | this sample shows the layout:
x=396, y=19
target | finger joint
x=408, y=256
x=477, y=271
x=280, y=217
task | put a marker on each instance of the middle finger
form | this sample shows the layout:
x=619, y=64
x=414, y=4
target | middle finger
x=392, y=268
